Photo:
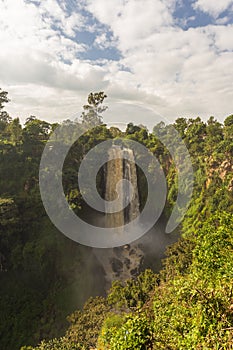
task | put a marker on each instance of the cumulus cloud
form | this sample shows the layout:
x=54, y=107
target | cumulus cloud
x=132, y=21
x=36, y=41
x=186, y=69
x=26, y=30
x=214, y=8
x=163, y=69
x=102, y=41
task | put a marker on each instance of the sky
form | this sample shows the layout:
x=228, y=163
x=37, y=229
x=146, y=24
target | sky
x=154, y=59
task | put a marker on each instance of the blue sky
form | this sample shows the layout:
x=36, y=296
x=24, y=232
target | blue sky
x=190, y=16
x=153, y=58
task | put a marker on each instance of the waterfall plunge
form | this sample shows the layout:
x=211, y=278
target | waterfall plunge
x=122, y=262
x=121, y=165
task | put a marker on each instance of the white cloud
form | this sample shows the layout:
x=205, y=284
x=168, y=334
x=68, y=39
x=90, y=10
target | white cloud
x=33, y=53
x=163, y=70
x=103, y=41
x=58, y=16
x=132, y=21
x=185, y=71
x=223, y=20
x=213, y=7
x=224, y=37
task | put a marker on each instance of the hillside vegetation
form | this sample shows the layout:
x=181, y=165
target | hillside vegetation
x=187, y=305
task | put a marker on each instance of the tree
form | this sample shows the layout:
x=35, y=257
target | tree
x=86, y=324
x=228, y=131
x=3, y=98
x=214, y=134
x=181, y=126
x=15, y=131
x=92, y=111
x=229, y=120
x=35, y=133
x=5, y=119
x=195, y=135
x=131, y=129
x=36, y=129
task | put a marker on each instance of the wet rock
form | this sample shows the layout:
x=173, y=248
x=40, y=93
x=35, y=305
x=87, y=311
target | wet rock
x=117, y=265
x=132, y=251
x=134, y=272
x=127, y=262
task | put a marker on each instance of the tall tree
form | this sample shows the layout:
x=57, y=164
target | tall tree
x=181, y=126
x=93, y=110
x=228, y=128
x=3, y=98
x=214, y=134
x=15, y=131
x=5, y=119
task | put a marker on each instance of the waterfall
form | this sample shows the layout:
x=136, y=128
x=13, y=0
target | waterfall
x=130, y=174
x=114, y=173
x=122, y=262
x=121, y=165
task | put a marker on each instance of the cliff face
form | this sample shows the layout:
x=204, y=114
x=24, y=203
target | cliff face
x=223, y=169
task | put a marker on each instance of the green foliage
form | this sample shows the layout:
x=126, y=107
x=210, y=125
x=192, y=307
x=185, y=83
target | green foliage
x=38, y=265
x=131, y=331
x=86, y=324
x=15, y=131
x=132, y=293
x=213, y=253
x=188, y=305
x=229, y=120
x=193, y=311
x=179, y=257
x=3, y=98
x=111, y=324
x=55, y=344
x=5, y=119
x=84, y=329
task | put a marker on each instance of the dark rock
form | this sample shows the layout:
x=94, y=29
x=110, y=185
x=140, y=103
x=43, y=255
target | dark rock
x=134, y=272
x=127, y=262
x=117, y=265
x=132, y=251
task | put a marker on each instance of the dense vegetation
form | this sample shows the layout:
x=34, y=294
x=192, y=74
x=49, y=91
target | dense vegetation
x=188, y=305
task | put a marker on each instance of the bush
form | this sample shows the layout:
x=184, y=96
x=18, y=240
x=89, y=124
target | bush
x=128, y=332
